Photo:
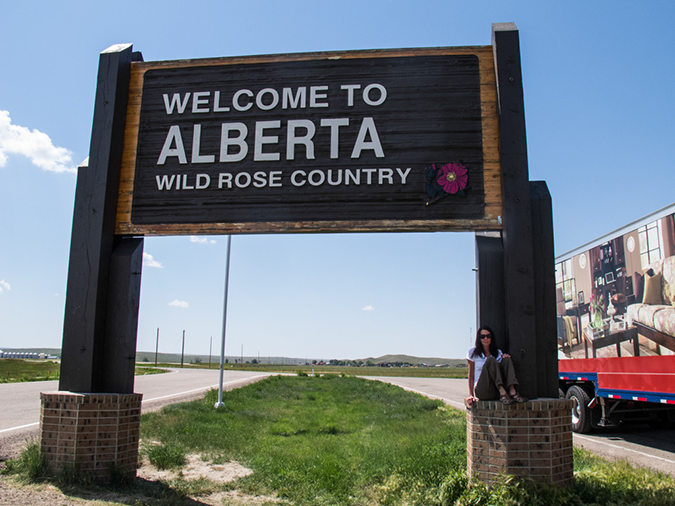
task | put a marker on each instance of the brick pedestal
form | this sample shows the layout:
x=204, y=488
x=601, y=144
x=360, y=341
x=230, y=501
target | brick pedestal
x=91, y=432
x=532, y=439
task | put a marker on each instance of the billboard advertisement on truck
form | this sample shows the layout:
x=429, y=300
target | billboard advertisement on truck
x=615, y=301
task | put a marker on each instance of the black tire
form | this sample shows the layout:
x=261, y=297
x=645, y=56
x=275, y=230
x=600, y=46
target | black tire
x=581, y=414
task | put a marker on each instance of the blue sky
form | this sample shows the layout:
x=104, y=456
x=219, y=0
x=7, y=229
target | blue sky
x=599, y=102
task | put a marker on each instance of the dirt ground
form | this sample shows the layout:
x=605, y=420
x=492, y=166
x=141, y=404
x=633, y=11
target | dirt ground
x=13, y=493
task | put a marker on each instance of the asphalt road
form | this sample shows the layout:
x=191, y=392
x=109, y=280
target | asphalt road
x=20, y=412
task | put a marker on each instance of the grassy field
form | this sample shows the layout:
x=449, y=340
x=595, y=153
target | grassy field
x=320, y=440
x=420, y=372
x=339, y=441
x=18, y=370
x=347, y=441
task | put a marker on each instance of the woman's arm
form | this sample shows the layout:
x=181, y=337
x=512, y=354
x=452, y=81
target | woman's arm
x=471, y=375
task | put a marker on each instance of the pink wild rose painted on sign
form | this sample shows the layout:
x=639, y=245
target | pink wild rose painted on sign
x=450, y=179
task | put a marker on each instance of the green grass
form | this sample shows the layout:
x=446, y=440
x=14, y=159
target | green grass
x=320, y=440
x=602, y=482
x=145, y=370
x=165, y=456
x=348, y=441
x=597, y=483
x=19, y=370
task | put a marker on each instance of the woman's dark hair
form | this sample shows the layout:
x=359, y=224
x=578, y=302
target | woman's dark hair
x=478, y=351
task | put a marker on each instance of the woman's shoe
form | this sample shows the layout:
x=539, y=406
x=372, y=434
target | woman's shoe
x=506, y=399
x=518, y=398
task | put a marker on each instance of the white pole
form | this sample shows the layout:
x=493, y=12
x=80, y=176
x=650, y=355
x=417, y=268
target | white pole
x=157, y=347
x=220, y=403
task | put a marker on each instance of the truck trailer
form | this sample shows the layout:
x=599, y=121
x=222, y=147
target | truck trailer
x=615, y=301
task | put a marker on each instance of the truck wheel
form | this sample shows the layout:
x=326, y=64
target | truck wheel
x=581, y=415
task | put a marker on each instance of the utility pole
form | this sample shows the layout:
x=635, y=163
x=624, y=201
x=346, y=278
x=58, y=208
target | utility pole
x=210, y=347
x=182, y=353
x=157, y=347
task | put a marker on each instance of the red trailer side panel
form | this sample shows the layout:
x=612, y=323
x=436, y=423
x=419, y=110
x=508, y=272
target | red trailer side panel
x=644, y=374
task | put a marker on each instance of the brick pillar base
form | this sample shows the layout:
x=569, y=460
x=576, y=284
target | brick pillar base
x=93, y=433
x=532, y=439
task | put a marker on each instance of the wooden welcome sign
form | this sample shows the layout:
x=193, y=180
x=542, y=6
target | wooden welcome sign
x=344, y=141
x=394, y=140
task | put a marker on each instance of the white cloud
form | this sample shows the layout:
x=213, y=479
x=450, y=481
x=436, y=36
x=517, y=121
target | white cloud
x=4, y=285
x=179, y=303
x=37, y=146
x=201, y=240
x=368, y=308
x=149, y=261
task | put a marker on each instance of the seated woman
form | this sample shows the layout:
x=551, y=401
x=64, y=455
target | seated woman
x=490, y=370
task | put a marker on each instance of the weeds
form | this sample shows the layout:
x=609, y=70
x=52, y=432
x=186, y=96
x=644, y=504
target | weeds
x=602, y=482
x=31, y=466
x=194, y=488
x=71, y=476
x=168, y=456
x=597, y=482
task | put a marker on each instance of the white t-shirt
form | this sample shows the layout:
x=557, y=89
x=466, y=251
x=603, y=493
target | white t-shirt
x=479, y=361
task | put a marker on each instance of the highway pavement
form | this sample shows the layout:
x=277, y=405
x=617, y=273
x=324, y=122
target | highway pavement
x=20, y=411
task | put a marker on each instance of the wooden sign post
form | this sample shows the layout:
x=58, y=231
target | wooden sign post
x=516, y=294
x=93, y=421
x=388, y=140
x=528, y=273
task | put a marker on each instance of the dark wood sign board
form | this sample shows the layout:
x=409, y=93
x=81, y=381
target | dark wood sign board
x=389, y=140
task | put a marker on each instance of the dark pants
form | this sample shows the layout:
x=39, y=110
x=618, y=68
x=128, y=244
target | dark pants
x=494, y=375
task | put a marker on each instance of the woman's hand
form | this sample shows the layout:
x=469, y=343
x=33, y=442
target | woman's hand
x=470, y=400
x=506, y=355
